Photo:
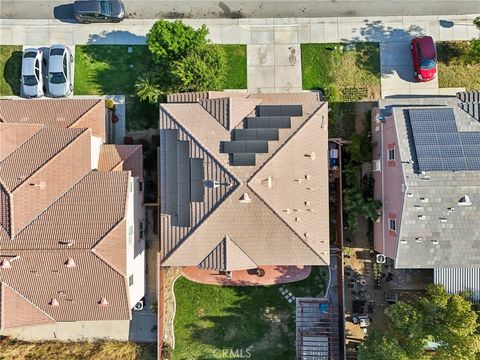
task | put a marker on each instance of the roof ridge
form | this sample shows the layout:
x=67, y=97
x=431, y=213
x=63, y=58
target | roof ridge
x=222, y=116
x=102, y=257
x=79, y=131
x=235, y=243
x=86, y=111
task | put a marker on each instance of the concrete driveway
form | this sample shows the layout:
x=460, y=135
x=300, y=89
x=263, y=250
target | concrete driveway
x=397, y=71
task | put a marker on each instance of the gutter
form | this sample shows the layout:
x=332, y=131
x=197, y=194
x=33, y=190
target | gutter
x=383, y=187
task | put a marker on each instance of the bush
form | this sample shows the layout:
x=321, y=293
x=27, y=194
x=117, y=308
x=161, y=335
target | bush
x=201, y=70
x=360, y=148
x=147, y=87
x=331, y=93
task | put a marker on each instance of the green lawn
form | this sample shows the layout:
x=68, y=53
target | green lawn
x=110, y=69
x=458, y=66
x=213, y=317
x=355, y=73
x=10, y=65
x=237, y=66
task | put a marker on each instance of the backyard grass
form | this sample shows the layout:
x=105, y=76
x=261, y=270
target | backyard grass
x=237, y=66
x=99, y=350
x=354, y=73
x=212, y=318
x=458, y=66
x=10, y=66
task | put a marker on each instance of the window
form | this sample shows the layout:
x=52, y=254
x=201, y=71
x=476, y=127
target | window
x=140, y=185
x=391, y=154
x=130, y=280
x=392, y=224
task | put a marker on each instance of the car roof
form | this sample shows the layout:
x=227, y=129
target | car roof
x=28, y=65
x=87, y=6
x=427, y=46
x=55, y=63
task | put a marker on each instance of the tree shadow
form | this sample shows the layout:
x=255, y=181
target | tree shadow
x=64, y=13
x=12, y=73
x=395, y=46
x=116, y=37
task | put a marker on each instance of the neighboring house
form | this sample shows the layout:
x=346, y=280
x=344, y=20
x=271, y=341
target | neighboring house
x=243, y=181
x=71, y=222
x=427, y=175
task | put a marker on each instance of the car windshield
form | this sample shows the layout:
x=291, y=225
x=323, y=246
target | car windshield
x=30, y=80
x=56, y=51
x=57, y=78
x=106, y=8
x=427, y=64
x=29, y=55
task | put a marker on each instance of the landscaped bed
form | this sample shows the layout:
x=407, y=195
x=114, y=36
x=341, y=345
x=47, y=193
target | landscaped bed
x=112, y=69
x=354, y=73
x=10, y=66
x=459, y=64
x=236, y=319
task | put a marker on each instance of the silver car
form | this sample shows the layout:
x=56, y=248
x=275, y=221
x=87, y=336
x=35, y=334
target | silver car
x=60, y=71
x=32, y=76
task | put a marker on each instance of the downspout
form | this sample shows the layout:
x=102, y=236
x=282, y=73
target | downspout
x=382, y=169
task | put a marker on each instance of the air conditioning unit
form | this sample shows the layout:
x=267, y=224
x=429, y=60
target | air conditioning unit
x=376, y=165
x=381, y=258
x=138, y=306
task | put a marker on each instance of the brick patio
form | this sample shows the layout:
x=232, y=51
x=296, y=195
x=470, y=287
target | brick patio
x=273, y=275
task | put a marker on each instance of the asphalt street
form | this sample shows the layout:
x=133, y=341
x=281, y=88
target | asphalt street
x=141, y=9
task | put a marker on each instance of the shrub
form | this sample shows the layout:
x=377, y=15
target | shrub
x=331, y=93
x=147, y=87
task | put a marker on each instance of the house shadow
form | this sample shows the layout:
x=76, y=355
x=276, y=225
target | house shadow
x=116, y=37
x=394, y=47
x=64, y=13
x=12, y=73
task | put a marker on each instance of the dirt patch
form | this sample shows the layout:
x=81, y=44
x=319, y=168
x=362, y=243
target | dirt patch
x=170, y=275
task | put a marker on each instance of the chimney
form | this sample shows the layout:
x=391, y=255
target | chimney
x=70, y=263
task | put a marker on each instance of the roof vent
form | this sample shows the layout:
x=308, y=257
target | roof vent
x=41, y=185
x=464, y=201
x=424, y=199
x=54, y=302
x=66, y=242
x=298, y=180
x=451, y=210
x=410, y=195
x=308, y=203
x=268, y=182
x=435, y=242
x=418, y=239
x=403, y=241
x=311, y=155
x=245, y=198
x=443, y=220
x=70, y=263
x=286, y=211
x=309, y=188
x=297, y=219
x=421, y=217
x=5, y=264
x=306, y=234
x=308, y=177
x=103, y=302
x=418, y=207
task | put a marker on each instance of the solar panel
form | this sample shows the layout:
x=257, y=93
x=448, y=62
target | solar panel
x=196, y=179
x=256, y=134
x=257, y=146
x=438, y=144
x=279, y=110
x=269, y=122
x=244, y=159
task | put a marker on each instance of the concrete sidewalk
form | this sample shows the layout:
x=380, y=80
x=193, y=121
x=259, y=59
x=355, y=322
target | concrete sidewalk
x=274, y=59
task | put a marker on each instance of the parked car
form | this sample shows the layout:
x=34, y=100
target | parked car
x=424, y=58
x=88, y=11
x=32, y=75
x=60, y=71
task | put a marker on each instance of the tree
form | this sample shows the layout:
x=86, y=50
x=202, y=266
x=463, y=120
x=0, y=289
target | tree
x=445, y=319
x=172, y=41
x=201, y=70
x=379, y=347
x=147, y=87
x=476, y=22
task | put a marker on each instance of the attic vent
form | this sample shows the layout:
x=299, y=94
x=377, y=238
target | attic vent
x=443, y=220
x=418, y=207
x=298, y=180
x=435, y=242
x=297, y=219
x=308, y=177
x=310, y=209
x=309, y=188
x=464, y=201
x=311, y=155
x=306, y=234
x=54, y=302
x=66, y=242
x=424, y=199
x=418, y=239
x=451, y=209
x=286, y=211
x=42, y=185
x=308, y=203
x=410, y=195
x=70, y=263
x=403, y=241
x=103, y=302
x=245, y=198
x=5, y=264
x=421, y=217
x=268, y=182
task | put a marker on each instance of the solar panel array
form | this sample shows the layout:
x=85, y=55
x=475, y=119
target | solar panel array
x=438, y=144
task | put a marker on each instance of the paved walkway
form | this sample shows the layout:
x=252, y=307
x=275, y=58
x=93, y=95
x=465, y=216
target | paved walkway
x=273, y=275
x=274, y=59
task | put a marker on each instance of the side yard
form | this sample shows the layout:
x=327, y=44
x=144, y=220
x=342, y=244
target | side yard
x=10, y=66
x=258, y=319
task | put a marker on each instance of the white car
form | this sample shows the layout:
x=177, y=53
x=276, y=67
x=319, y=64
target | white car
x=60, y=71
x=32, y=76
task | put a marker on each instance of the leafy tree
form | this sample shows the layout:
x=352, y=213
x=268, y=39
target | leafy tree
x=355, y=204
x=360, y=148
x=476, y=22
x=172, y=41
x=445, y=319
x=379, y=347
x=201, y=70
x=147, y=87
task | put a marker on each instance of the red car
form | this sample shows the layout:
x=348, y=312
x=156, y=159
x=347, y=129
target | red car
x=424, y=58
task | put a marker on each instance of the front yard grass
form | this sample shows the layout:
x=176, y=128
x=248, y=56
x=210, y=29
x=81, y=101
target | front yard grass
x=458, y=65
x=212, y=318
x=10, y=66
x=355, y=73
x=237, y=66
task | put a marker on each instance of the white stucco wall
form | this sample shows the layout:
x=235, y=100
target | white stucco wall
x=95, y=144
x=135, y=245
